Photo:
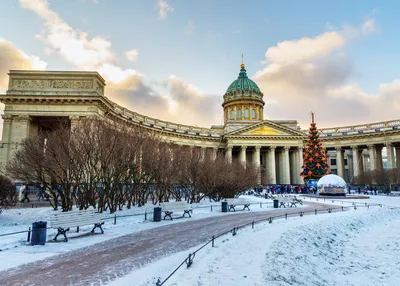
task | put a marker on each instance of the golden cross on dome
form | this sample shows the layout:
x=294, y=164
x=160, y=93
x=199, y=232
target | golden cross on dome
x=242, y=65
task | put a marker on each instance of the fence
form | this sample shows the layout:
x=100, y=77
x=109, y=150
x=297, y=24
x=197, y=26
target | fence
x=189, y=260
x=114, y=217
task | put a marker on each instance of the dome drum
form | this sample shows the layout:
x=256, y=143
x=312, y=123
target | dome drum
x=243, y=99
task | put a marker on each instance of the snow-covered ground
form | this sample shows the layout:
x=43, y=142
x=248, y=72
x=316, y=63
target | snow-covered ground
x=357, y=247
x=15, y=250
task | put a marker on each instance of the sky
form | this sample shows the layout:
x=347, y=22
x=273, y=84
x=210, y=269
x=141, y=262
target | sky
x=174, y=59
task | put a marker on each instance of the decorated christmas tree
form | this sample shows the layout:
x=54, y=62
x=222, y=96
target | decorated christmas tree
x=315, y=163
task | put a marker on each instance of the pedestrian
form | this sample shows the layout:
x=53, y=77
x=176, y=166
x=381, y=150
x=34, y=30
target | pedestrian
x=26, y=194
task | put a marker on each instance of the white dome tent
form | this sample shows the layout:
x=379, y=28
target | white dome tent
x=331, y=185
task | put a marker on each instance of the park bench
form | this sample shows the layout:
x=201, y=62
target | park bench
x=232, y=203
x=63, y=221
x=169, y=207
x=288, y=201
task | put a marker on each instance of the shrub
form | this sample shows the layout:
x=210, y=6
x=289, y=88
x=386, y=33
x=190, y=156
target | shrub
x=8, y=194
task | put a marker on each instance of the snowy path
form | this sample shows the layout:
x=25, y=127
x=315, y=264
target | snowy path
x=104, y=262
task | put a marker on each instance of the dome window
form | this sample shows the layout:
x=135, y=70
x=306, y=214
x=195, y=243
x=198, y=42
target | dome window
x=246, y=113
x=253, y=113
x=232, y=114
x=239, y=113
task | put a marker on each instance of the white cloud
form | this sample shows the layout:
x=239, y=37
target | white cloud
x=164, y=8
x=313, y=74
x=127, y=87
x=132, y=55
x=189, y=29
x=12, y=58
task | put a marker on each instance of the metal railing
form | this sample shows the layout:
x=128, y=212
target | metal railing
x=189, y=260
x=146, y=214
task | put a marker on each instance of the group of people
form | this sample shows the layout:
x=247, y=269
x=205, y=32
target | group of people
x=286, y=189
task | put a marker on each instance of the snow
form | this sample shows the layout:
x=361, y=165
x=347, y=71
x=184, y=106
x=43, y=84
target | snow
x=15, y=250
x=349, y=248
x=357, y=247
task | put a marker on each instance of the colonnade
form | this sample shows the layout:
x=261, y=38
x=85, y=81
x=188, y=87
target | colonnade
x=282, y=164
x=367, y=157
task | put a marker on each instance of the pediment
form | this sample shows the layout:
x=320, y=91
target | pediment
x=266, y=129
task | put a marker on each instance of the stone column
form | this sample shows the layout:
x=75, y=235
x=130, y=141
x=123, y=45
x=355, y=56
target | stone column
x=356, y=161
x=300, y=164
x=372, y=157
x=6, y=139
x=256, y=156
x=257, y=162
x=293, y=163
x=228, y=154
x=379, y=163
x=242, y=155
x=270, y=171
x=74, y=121
x=214, y=154
x=390, y=156
x=285, y=167
x=339, y=162
x=203, y=151
x=397, y=157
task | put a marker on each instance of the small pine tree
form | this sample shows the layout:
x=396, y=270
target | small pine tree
x=315, y=163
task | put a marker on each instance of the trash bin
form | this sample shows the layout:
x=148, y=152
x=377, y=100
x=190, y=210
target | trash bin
x=157, y=214
x=224, y=207
x=39, y=232
x=276, y=204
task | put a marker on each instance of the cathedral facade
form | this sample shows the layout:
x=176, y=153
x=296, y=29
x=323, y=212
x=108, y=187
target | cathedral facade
x=35, y=99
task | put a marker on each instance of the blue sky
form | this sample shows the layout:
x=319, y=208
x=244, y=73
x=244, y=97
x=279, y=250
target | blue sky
x=328, y=56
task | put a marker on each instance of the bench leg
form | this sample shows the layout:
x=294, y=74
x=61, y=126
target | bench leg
x=246, y=207
x=98, y=225
x=232, y=207
x=187, y=212
x=168, y=214
x=62, y=231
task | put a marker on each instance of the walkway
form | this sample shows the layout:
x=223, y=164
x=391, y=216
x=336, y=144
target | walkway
x=103, y=262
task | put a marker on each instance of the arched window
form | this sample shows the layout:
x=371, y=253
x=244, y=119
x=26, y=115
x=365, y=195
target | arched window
x=246, y=113
x=232, y=114
x=239, y=113
x=253, y=113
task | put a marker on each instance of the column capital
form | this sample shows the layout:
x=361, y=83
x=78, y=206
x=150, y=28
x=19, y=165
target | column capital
x=7, y=118
x=24, y=118
x=272, y=148
x=389, y=145
x=243, y=147
x=286, y=148
x=301, y=148
x=258, y=148
x=338, y=148
x=229, y=148
x=371, y=146
x=354, y=147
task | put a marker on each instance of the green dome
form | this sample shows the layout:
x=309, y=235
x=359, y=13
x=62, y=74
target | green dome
x=243, y=83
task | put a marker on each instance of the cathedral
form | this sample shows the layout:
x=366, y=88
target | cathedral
x=36, y=99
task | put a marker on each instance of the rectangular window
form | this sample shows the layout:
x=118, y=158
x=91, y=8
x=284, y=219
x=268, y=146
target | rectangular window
x=239, y=113
x=232, y=114
x=334, y=172
x=345, y=161
x=246, y=113
x=253, y=113
x=333, y=161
